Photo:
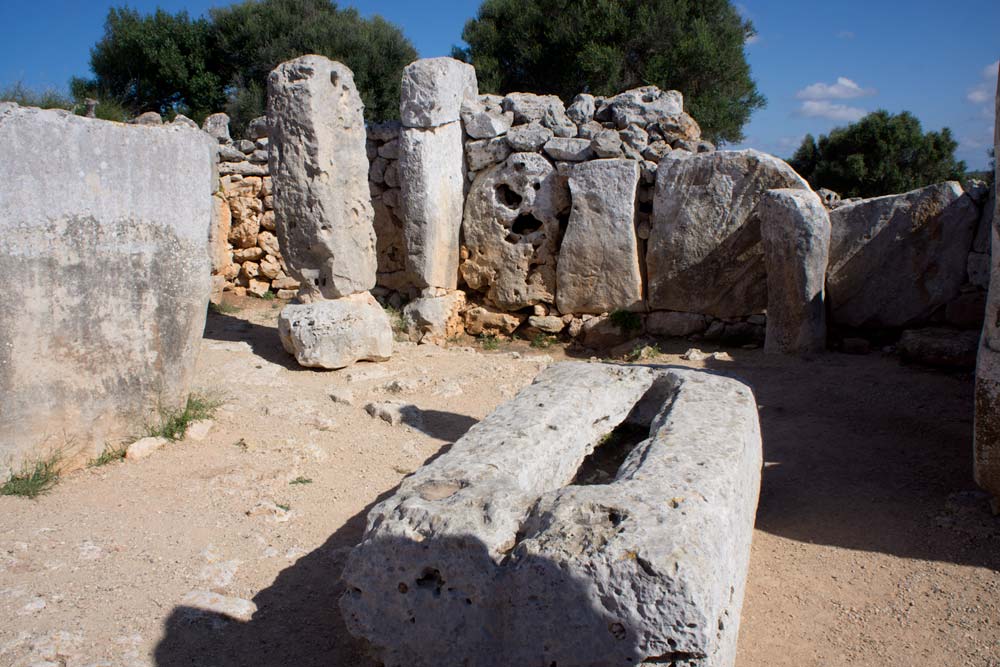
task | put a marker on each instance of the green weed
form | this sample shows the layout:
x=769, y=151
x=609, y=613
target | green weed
x=33, y=479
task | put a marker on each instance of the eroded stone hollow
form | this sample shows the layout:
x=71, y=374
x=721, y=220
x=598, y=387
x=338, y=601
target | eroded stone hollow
x=509, y=550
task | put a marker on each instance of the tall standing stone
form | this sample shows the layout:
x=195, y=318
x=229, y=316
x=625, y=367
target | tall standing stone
x=431, y=164
x=105, y=261
x=319, y=167
x=987, y=429
x=598, y=269
x=795, y=232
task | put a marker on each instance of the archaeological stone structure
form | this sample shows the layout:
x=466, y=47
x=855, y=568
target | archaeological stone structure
x=108, y=260
x=987, y=424
x=323, y=214
x=509, y=550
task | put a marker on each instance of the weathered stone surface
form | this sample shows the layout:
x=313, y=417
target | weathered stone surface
x=217, y=126
x=528, y=138
x=335, y=334
x=319, y=170
x=486, y=153
x=581, y=110
x=432, y=175
x=939, y=346
x=512, y=231
x=479, y=320
x=434, y=319
x=607, y=144
x=704, y=253
x=986, y=443
x=545, y=109
x=795, y=231
x=598, y=269
x=894, y=260
x=257, y=128
x=641, y=106
x=143, y=447
x=148, y=118
x=569, y=150
x=669, y=323
x=482, y=123
x=549, y=324
x=497, y=534
x=433, y=91
x=108, y=275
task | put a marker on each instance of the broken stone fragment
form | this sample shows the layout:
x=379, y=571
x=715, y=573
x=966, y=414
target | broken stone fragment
x=335, y=334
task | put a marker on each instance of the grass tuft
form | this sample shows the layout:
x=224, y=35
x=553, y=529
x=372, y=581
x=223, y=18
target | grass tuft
x=223, y=308
x=541, y=341
x=109, y=455
x=268, y=296
x=489, y=342
x=173, y=424
x=301, y=480
x=33, y=479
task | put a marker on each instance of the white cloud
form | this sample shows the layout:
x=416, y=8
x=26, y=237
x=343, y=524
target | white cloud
x=979, y=95
x=844, y=89
x=985, y=90
x=753, y=39
x=830, y=110
x=991, y=70
x=846, y=34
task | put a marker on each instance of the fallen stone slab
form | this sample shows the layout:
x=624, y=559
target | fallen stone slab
x=335, y=334
x=940, y=346
x=497, y=553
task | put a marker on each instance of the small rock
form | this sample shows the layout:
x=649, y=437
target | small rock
x=341, y=395
x=394, y=412
x=140, y=449
x=694, y=354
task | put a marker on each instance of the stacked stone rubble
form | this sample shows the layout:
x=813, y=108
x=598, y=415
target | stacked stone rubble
x=384, y=180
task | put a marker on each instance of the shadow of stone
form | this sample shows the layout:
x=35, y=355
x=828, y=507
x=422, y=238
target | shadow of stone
x=446, y=426
x=263, y=340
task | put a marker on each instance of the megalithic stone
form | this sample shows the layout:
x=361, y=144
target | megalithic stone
x=322, y=203
x=987, y=427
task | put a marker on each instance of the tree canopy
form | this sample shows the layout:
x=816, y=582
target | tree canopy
x=880, y=154
x=603, y=47
x=172, y=63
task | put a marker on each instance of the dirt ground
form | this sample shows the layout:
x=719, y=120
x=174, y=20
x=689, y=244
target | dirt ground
x=872, y=545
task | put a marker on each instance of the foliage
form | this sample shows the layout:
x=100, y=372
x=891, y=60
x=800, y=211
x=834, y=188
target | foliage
x=109, y=107
x=626, y=321
x=880, y=154
x=48, y=98
x=301, y=480
x=255, y=36
x=541, y=341
x=173, y=424
x=606, y=46
x=110, y=454
x=33, y=479
x=489, y=342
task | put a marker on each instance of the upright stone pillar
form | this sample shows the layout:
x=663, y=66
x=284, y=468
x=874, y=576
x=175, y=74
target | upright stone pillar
x=987, y=429
x=432, y=177
x=323, y=214
x=795, y=232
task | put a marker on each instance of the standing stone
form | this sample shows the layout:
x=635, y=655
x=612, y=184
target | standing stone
x=512, y=231
x=895, y=260
x=107, y=268
x=598, y=270
x=795, y=230
x=986, y=445
x=432, y=167
x=319, y=167
x=704, y=253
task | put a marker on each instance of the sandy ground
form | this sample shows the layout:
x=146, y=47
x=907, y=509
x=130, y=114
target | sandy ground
x=872, y=545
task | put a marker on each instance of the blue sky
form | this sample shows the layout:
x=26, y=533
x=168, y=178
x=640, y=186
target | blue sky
x=821, y=64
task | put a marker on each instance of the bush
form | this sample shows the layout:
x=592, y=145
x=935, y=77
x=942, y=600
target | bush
x=880, y=154
x=48, y=98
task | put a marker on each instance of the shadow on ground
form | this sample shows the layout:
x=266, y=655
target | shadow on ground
x=262, y=339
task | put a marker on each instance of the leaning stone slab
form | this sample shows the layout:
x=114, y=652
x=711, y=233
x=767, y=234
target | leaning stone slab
x=795, y=230
x=432, y=175
x=986, y=443
x=704, y=253
x=895, y=260
x=495, y=553
x=598, y=270
x=319, y=169
x=335, y=334
x=106, y=263
x=434, y=90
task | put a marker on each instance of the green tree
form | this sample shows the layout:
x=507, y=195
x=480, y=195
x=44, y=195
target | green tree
x=255, y=36
x=603, y=47
x=880, y=154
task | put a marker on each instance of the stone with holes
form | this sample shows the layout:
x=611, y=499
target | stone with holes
x=636, y=552
x=335, y=334
x=512, y=231
x=319, y=170
x=598, y=270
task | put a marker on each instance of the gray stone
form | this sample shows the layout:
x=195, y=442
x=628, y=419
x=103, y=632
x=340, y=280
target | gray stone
x=598, y=269
x=549, y=324
x=569, y=150
x=895, y=260
x=335, y=334
x=257, y=128
x=434, y=90
x=939, y=346
x=229, y=153
x=432, y=176
x=641, y=106
x=395, y=413
x=217, y=126
x=581, y=110
x=704, y=253
x=511, y=231
x=148, y=118
x=607, y=144
x=143, y=447
x=635, y=136
x=242, y=169
x=984, y=230
x=434, y=319
x=528, y=138
x=590, y=129
x=106, y=262
x=486, y=153
x=656, y=151
x=674, y=324
x=829, y=198
x=383, y=132
x=481, y=123
x=181, y=119
x=548, y=110
x=497, y=533
x=986, y=439
x=795, y=231
x=324, y=225
x=389, y=150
